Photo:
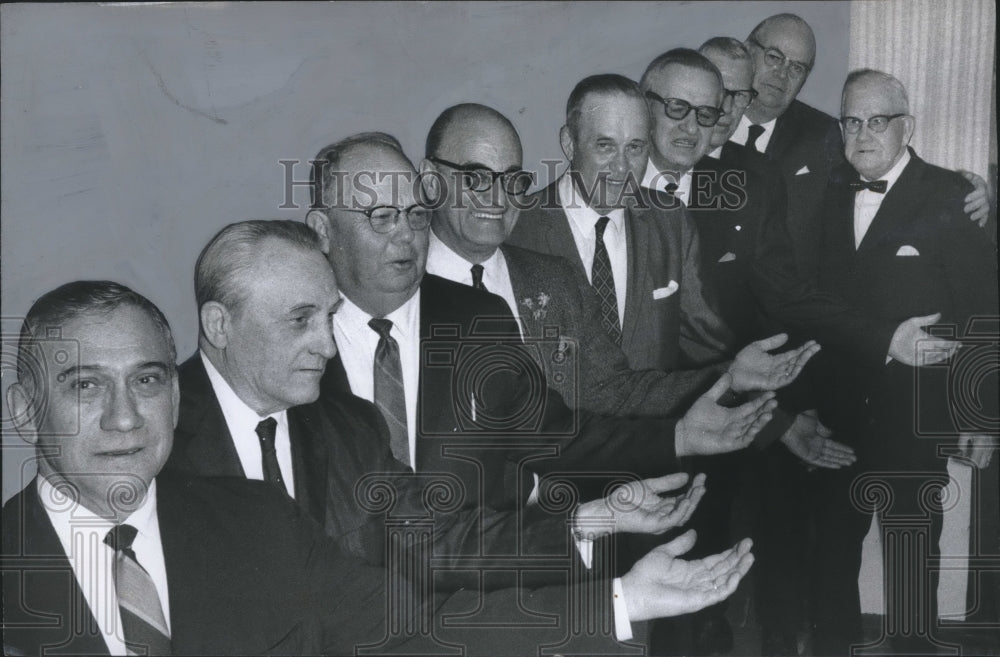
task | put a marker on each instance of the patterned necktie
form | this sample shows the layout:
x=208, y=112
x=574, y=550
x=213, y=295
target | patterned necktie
x=877, y=186
x=754, y=132
x=389, y=391
x=266, y=430
x=603, y=280
x=143, y=621
x=477, y=278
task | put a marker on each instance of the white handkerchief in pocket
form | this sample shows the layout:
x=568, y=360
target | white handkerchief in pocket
x=907, y=250
x=729, y=257
x=803, y=171
x=664, y=292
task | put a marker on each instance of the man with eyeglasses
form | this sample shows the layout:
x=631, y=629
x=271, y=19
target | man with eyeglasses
x=896, y=243
x=803, y=141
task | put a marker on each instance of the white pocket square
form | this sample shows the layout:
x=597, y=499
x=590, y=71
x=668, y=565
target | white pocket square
x=907, y=250
x=729, y=257
x=803, y=171
x=664, y=292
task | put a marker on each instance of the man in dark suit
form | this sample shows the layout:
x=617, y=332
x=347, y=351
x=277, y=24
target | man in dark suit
x=557, y=308
x=896, y=243
x=803, y=141
x=103, y=555
x=226, y=567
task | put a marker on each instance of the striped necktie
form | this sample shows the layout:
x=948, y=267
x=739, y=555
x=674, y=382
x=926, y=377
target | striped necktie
x=389, y=392
x=603, y=280
x=143, y=622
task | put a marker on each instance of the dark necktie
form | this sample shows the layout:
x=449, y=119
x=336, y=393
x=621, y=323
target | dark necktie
x=603, y=280
x=389, y=391
x=878, y=186
x=754, y=132
x=143, y=621
x=671, y=188
x=477, y=278
x=266, y=430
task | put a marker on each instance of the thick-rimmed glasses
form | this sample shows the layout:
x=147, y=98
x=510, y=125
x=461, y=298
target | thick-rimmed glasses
x=774, y=58
x=677, y=109
x=383, y=218
x=739, y=98
x=877, y=124
x=478, y=178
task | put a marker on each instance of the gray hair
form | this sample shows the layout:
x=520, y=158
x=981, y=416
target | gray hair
x=322, y=178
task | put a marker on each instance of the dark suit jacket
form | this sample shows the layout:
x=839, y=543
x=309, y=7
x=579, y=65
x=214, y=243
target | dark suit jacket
x=588, y=369
x=247, y=573
x=468, y=339
x=807, y=146
x=904, y=412
x=681, y=330
x=336, y=443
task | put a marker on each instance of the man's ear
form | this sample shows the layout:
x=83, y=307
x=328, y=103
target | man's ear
x=215, y=323
x=176, y=398
x=566, y=141
x=320, y=223
x=910, y=124
x=431, y=183
x=22, y=413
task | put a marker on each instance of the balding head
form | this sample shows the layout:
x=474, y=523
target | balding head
x=475, y=207
x=784, y=51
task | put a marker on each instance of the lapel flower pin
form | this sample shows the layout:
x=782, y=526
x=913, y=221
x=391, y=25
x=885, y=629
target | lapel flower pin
x=537, y=305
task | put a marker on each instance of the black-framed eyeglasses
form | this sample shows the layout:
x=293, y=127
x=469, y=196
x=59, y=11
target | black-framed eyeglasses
x=776, y=59
x=478, y=178
x=877, y=124
x=676, y=109
x=383, y=218
x=739, y=98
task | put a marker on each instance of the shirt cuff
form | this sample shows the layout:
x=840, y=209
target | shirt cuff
x=586, y=550
x=623, y=626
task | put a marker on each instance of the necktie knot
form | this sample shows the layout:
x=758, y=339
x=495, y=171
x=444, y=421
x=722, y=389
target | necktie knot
x=266, y=430
x=477, y=277
x=120, y=538
x=671, y=188
x=877, y=186
x=599, y=227
x=381, y=326
x=754, y=132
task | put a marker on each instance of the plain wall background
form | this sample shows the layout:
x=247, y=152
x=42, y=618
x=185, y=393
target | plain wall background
x=132, y=134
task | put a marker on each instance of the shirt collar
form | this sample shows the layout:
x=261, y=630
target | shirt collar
x=742, y=133
x=235, y=410
x=582, y=214
x=67, y=517
x=893, y=174
x=354, y=321
x=716, y=153
x=657, y=180
x=444, y=262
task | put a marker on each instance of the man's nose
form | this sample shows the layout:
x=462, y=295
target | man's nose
x=323, y=344
x=120, y=412
x=689, y=123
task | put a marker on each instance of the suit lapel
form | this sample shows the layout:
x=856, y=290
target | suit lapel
x=202, y=425
x=523, y=284
x=309, y=437
x=784, y=132
x=898, y=207
x=637, y=236
x=558, y=236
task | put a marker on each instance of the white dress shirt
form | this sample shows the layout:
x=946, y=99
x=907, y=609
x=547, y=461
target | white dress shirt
x=356, y=342
x=657, y=180
x=867, y=202
x=582, y=223
x=81, y=533
x=242, y=421
x=444, y=262
x=743, y=133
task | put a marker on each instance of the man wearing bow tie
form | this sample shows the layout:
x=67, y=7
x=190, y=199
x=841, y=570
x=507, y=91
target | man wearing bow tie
x=896, y=243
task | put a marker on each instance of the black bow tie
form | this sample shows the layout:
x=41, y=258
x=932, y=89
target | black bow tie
x=877, y=186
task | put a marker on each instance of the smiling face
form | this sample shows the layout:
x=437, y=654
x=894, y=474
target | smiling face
x=609, y=146
x=474, y=223
x=679, y=144
x=379, y=272
x=280, y=336
x=873, y=154
x=108, y=423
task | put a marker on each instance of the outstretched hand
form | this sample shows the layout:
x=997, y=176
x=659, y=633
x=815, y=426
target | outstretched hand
x=809, y=440
x=661, y=585
x=977, y=202
x=912, y=345
x=755, y=369
x=709, y=428
x=638, y=507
